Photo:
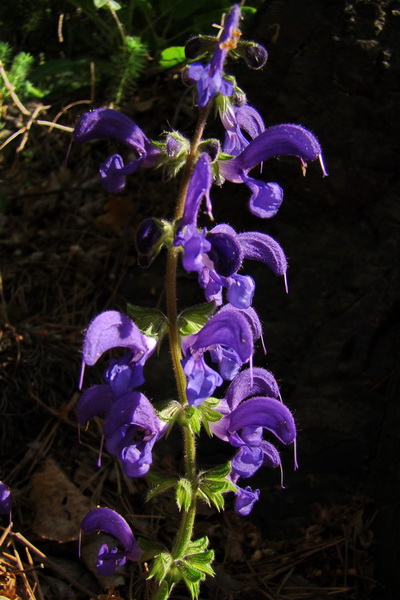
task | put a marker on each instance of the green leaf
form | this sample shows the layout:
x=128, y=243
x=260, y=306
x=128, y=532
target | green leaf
x=170, y=412
x=194, y=318
x=150, y=321
x=150, y=549
x=196, y=546
x=163, y=592
x=193, y=419
x=208, y=414
x=218, y=473
x=174, y=55
x=201, y=561
x=161, y=565
x=184, y=494
x=189, y=573
x=159, y=483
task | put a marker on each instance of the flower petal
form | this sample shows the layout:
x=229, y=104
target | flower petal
x=109, y=521
x=94, y=401
x=269, y=413
x=251, y=383
x=108, y=124
x=199, y=188
x=279, y=140
x=245, y=500
x=262, y=247
x=112, y=329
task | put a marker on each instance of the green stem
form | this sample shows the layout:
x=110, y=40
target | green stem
x=185, y=532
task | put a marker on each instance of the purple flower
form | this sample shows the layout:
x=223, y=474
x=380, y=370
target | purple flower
x=131, y=428
x=202, y=380
x=112, y=329
x=228, y=337
x=238, y=118
x=110, y=522
x=209, y=78
x=104, y=123
x=245, y=500
x=5, y=499
x=199, y=188
x=278, y=140
x=218, y=255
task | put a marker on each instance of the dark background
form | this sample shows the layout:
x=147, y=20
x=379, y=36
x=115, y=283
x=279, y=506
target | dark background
x=333, y=341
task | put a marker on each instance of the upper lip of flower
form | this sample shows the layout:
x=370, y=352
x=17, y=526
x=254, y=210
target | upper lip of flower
x=109, y=521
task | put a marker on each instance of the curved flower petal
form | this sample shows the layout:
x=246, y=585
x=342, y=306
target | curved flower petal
x=112, y=329
x=241, y=291
x=262, y=247
x=286, y=139
x=109, y=521
x=94, y=401
x=247, y=461
x=228, y=328
x=251, y=383
x=265, y=199
x=269, y=413
x=133, y=409
x=123, y=374
x=108, y=124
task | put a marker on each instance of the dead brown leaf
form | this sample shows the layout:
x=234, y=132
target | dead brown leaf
x=59, y=505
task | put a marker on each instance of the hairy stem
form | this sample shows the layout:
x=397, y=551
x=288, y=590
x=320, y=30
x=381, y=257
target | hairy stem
x=184, y=534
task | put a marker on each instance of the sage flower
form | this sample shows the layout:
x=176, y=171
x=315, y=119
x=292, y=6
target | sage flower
x=279, y=140
x=112, y=329
x=108, y=124
x=110, y=522
x=209, y=78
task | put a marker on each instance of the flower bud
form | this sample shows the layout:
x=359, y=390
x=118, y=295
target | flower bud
x=253, y=54
x=149, y=239
x=211, y=147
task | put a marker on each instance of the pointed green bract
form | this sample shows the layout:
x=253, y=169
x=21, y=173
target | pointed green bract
x=194, y=318
x=159, y=483
x=184, y=494
x=150, y=321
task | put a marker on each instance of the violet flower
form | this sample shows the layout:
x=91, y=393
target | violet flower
x=238, y=118
x=110, y=522
x=218, y=255
x=228, y=337
x=209, y=78
x=5, y=499
x=278, y=140
x=105, y=123
x=131, y=428
x=112, y=329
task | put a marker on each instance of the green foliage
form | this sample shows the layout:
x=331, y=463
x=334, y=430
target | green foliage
x=150, y=321
x=214, y=483
x=192, y=319
x=17, y=69
x=159, y=483
x=107, y=44
x=184, y=494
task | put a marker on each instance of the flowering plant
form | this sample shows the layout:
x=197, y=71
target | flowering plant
x=211, y=345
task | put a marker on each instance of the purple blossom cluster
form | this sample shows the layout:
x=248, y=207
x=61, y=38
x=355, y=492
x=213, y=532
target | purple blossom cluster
x=219, y=355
